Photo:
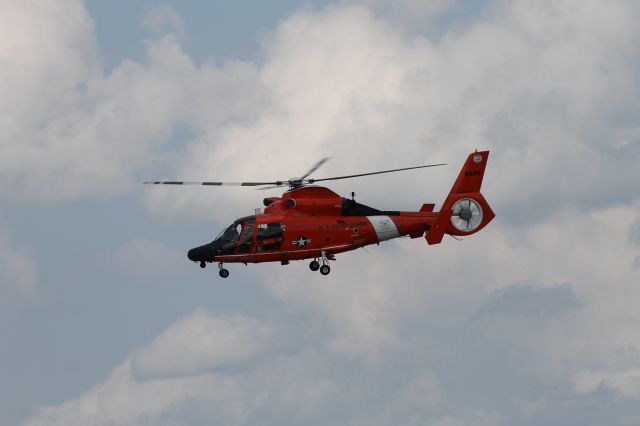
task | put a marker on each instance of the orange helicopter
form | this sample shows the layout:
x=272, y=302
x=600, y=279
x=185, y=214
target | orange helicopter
x=313, y=222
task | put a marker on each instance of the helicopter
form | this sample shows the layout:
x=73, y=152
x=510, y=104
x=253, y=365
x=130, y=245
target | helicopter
x=312, y=222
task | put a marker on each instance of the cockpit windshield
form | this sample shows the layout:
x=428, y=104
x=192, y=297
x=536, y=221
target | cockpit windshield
x=230, y=234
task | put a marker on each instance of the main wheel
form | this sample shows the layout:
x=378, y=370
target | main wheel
x=223, y=273
x=325, y=269
x=203, y=265
x=314, y=265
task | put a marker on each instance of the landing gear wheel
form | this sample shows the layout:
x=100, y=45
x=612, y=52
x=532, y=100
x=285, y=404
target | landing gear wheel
x=223, y=273
x=203, y=265
x=325, y=269
x=314, y=265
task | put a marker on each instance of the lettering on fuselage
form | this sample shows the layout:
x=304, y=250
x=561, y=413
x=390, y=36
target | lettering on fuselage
x=473, y=173
x=339, y=225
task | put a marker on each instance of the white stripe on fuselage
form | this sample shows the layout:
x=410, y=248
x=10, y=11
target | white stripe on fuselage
x=385, y=227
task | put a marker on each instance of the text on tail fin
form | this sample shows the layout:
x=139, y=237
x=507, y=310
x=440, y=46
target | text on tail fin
x=470, y=177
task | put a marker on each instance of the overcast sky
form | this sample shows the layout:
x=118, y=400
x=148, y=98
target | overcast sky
x=104, y=321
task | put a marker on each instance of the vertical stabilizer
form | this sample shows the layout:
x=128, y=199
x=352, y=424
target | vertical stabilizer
x=464, y=211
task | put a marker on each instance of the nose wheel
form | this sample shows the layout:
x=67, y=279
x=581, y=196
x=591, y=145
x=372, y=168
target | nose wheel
x=325, y=269
x=224, y=273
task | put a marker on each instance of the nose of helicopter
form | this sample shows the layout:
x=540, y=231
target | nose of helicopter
x=201, y=254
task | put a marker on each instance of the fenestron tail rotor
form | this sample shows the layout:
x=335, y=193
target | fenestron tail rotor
x=466, y=215
x=291, y=183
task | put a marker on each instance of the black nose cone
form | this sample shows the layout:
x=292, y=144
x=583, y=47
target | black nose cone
x=201, y=254
x=193, y=255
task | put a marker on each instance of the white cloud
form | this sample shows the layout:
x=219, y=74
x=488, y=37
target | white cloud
x=68, y=130
x=201, y=342
x=397, y=326
x=181, y=364
x=46, y=51
x=122, y=400
x=528, y=82
x=627, y=382
x=534, y=83
x=423, y=390
x=18, y=271
x=550, y=87
x=372, y=300
x=201, y=370
x=198, y=361
x=164, y=19
x=420, y=315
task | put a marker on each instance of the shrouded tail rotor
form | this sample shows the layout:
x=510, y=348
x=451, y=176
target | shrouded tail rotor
x=466, y=215
x=465, y=211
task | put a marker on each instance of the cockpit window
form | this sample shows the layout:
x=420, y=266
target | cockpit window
x=247, y=237
x=230, y=233
x=246, y=240
x=269, y=236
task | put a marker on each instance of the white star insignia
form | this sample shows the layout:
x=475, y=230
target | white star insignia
x=301, y=242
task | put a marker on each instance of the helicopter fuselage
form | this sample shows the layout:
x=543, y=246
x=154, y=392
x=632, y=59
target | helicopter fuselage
x=311, y=222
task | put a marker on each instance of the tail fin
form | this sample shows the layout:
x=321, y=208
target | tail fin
x=465, y=211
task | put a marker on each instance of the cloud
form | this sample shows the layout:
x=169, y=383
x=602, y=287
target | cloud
x=200, y=343
x=18, y=271
x=408, y=289
x=409, y=341
x=46, y=52
x=627, y=381
x=634, y=232
x=531, y=300
x=164, y=19
x=71, y=130
x=180, y=365
x=534, y=83
x=440, y=333
x=192, y=380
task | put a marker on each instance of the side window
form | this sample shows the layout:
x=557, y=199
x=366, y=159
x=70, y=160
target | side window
x=244, y=244
x=269, y=236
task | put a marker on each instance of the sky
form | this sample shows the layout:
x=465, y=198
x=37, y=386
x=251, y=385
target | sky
x=104, y=321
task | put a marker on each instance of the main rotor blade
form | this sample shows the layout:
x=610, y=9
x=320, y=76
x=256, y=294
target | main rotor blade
x=315, y=167
x=171, y=182
x=268, y=187
x=376, y=173
x=291, y=182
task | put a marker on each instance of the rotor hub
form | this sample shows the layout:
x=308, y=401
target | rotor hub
x=465, y=214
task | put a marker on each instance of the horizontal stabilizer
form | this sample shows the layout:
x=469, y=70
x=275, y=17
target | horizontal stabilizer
x=427, y=208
